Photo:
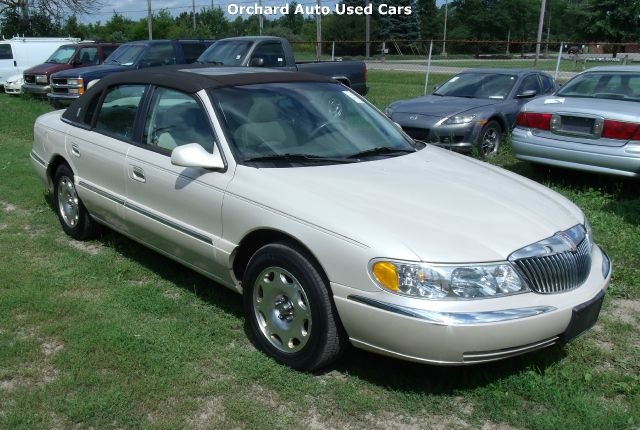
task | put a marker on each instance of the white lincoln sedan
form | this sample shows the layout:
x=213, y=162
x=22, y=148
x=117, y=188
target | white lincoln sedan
x=335, y=226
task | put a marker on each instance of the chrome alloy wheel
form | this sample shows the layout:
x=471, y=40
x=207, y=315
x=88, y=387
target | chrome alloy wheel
x=282, y=309
x=490, y=141
x=68, y=202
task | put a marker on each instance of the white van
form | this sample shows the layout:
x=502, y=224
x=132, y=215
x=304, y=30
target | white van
x=20, y=53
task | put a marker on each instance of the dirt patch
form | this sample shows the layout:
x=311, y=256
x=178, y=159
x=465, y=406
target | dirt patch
x=7, y=384
x=210, y=414
x=3, y=226
x=8, y=207
x=388, y=421
x=171, y=294
x=604, y=345
x=83, y=293
x=51, y=346
x=495, y=426
x=87, y=247
x=626, y=311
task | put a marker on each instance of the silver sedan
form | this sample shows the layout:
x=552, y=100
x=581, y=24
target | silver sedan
x=592, y=123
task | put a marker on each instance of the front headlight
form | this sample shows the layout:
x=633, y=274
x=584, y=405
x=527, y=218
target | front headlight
x=431, y=281
x=42, y=79
x=78, y=82
x=587, y=227
x=460, y=119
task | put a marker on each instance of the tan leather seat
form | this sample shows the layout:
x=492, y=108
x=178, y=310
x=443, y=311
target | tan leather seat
x=264, y=128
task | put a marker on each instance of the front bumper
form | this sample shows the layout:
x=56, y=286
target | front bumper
x=620, y=160
x=466, y=331
x=62, y=97
x=36, y=89
x=458, y=137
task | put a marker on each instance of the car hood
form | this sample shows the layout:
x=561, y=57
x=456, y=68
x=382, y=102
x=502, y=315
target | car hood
x=440, y=106
x=432, y=206
x=47, y=68
x=101, y=70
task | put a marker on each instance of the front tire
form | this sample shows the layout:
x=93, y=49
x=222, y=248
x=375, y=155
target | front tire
x=73, y=216
x=490, y=139
x=290, y=314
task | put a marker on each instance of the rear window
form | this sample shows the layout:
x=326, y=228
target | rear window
x=604, y=85
x=5, y=52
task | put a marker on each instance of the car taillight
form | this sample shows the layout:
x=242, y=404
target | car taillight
x=621, y=130
x=534, y=120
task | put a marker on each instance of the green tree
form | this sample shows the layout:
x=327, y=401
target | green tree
x=430, y=20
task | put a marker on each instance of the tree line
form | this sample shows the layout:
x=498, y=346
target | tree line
x=585, y=20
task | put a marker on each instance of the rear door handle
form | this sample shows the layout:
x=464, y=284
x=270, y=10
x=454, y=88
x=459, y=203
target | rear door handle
x=75, y=150
x=138, y=174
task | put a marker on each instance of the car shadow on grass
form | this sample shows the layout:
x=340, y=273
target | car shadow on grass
x=423, y=378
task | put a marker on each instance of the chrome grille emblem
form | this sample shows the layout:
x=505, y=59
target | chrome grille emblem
x=559, y=263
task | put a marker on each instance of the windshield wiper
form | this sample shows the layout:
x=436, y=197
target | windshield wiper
x=380, y=150
x=214, y=63
x=299, y=158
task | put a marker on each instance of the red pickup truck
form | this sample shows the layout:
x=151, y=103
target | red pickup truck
x=37, y=78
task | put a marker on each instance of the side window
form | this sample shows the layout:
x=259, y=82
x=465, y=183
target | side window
x=159, y=55
x=192, y=51
x=118, y=111
x=87, y=56
x=108, y=50
x=271, y=53
x=547, y=84
x=5, y=52
x=175, y=119
x=529, y=83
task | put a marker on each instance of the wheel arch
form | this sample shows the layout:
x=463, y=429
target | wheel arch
x=258, y=238
x=56, y=161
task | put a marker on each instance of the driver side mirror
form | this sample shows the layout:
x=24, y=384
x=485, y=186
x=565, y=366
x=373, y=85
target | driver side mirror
x=194, y=155
x=256, y=62
x=526, y=94
x=435, y=87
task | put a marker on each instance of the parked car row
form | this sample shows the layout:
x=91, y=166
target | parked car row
x=591, y=123
x=335, y=226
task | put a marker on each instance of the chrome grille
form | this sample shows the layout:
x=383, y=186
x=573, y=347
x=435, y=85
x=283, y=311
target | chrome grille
x=559, y=263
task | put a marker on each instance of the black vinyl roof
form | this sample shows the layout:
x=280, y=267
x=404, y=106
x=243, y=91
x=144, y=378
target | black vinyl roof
x=189, y=79
x=193, y=78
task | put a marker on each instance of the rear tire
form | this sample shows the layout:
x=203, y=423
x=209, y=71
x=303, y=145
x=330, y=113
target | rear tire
x=73, y=216
x=290, y=313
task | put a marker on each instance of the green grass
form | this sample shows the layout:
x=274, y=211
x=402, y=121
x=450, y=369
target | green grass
x=110, y=334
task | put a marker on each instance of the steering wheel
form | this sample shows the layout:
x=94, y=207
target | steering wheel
x=323, y=128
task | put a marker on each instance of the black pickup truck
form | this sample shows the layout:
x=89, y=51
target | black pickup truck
x=276, y=52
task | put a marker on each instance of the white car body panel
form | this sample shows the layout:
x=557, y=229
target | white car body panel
x=432, y=206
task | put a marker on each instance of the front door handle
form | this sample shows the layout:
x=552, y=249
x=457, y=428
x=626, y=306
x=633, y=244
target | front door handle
x=75, y=150
x=138, y=174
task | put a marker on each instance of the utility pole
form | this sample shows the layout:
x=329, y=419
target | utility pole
x=546, y=47
x=318, y=29
x=193, y=7
x=260, y=17
x=149, y=17
x=444, y=36
x=543, y=3
x=367, y=31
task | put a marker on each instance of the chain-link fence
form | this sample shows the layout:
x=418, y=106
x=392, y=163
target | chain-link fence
x=562, y=60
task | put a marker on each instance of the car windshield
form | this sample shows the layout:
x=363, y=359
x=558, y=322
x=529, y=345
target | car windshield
x=226, y=53
x=301, y=122
x=478, y=86
x=62, y=55
x=604, y=85
x=125, y=55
